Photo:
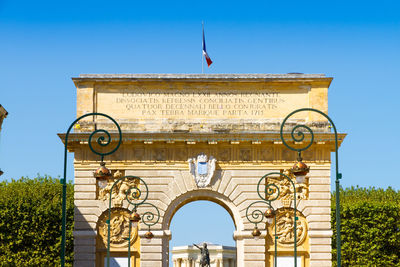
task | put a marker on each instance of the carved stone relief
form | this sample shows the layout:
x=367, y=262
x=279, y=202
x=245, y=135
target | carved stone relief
x=286, y=190
x=119, y=228
x=180, y=152
x=120, y=191
x=202, y=168
x=245, y=155
x=308, y=154
x=160, y=154
x=224, y=154
x=285, y=227
x=138, y=154
x=267, y=154
x=288, y=155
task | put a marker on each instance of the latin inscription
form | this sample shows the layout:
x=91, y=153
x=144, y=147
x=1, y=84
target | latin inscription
x=204, y=105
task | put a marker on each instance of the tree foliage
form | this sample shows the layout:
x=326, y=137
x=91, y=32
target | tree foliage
x=30, y=222
x=370, y=227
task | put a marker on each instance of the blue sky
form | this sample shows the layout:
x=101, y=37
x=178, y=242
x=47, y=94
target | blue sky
x=45, y=43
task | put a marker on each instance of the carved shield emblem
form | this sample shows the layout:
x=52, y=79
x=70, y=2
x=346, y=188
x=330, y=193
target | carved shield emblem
x=202, y=168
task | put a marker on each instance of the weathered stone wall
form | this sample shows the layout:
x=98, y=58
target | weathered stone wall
x=233, y=187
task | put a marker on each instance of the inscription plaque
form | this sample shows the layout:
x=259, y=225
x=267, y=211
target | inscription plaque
x=145, y=104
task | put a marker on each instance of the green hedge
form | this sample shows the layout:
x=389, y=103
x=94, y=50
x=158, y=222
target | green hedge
x=370, y=227
x=30, y=222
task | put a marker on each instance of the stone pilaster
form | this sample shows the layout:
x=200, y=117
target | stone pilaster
x=319, y=220
x=151, y=253
x=84, y=248
x=250, y=252
x=86, y=214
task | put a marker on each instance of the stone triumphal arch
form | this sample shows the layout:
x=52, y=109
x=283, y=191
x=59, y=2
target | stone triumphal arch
x=201, y=137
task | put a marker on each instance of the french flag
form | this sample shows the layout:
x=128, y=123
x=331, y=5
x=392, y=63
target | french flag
x=208, y=59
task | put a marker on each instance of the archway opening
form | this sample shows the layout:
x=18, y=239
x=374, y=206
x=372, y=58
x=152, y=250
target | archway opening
x=198, y=222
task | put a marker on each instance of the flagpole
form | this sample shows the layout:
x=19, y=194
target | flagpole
x=202, y=36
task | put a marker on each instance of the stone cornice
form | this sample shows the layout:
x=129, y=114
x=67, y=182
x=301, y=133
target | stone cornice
x=193, y=138
x=290, y=77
